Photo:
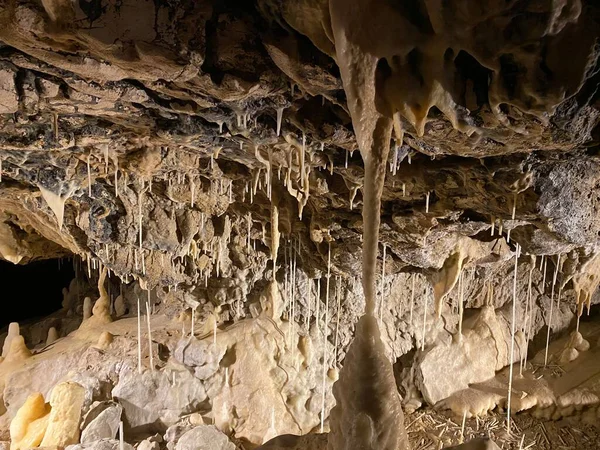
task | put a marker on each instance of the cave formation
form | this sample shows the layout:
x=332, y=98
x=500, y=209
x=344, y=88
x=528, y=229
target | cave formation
x=299, y=224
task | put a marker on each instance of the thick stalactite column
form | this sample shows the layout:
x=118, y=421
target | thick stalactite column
x=368, y=414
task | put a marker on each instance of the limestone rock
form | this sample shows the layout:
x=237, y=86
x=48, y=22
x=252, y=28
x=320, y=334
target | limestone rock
x=201, y=355
x=204, y=437
x=156, y=400
x=482, y=350
x=8, y=91
x=66, y=401
x=101, y=422
x=148, y=444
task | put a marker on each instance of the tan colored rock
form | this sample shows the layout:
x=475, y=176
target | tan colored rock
x=13, y=330
x=483, y=349
x=52, y=336
x=8, y=92
x=18, y=350
x=100, y=313
x=29, y=425
x=87, y=308
x=104, y=340
x=63, y=425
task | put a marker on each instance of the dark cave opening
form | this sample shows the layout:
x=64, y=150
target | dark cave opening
x=33, y=290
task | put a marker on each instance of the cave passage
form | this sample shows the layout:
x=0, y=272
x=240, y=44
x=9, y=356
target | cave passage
x=33, y=290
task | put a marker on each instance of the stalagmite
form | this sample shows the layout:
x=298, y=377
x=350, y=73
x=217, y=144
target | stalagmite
x=87, y=308
x=13, y=331
x=17, y=351
x=427, y=202
x=52, y=336
x=512, y=339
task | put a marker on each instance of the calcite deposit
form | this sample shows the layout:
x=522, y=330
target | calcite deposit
x=301, y=223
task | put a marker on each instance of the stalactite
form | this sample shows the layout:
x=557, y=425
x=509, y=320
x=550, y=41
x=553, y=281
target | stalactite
x=121, y=436
x=140, y=214
x=279, y=120
x=318, y=307
x=528, y=314
x=308, y=302
x=353, y=192
x=89, y=176
x=424, y=324
x=149, y=333
x=139, y=342
x=461, y=302
x=381, y=299
x=412, y=298
x=512, y=339
x=193, y=190
x=338, y=294
x=551, y=310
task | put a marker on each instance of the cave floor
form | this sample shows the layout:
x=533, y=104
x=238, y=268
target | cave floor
x=430, y=429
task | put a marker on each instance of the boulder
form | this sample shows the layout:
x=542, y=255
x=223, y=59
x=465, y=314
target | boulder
x=29, y=425
x=204, y=437
x=101, y=422
x=156, y=400
x=66, y=402
x=483, y=349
